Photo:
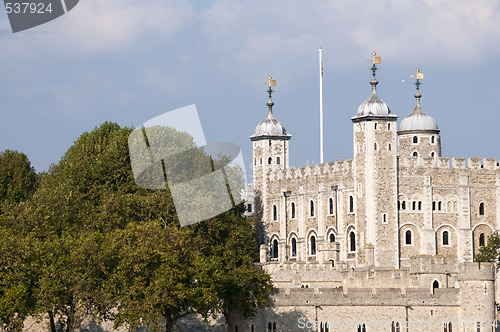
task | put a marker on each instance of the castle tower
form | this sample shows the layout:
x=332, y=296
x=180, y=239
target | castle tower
x=375, y=182
x=270, y=147
x=418, y=133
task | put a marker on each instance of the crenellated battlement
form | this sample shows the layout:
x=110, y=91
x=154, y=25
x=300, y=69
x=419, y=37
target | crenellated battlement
x=365, y=296
x=476, y=271
x=444, y=163
x=317, y=170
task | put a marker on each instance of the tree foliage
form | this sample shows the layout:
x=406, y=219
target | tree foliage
x=89, y=241
x=18, y=179
x=490, y=252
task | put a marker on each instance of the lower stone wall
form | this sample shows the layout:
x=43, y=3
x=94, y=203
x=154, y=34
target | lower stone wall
x=185, y=324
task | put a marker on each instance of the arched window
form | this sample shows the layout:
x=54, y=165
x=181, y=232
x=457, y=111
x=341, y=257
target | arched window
x=439, y=206
x=414, y=205
x=269, y=327
x=415, y=140
x=449, y=206
x=326, y=327
x=408, y=237
x=481, y=240
x=432, y=154
x=351, y=204
x=278, y=160
x=332, y=237
x=270, y=160
x=274, y=327
x=294, y=247
x=275, y=213
x=389, y=148
x=432, y=139
x=433, y=205
x=481, y=209
x=352, y=241
x=330, y=205
x=395, y=327
x=450, y=327
x=321, y=327
x=375, y=146
x=419, y=205
x=312, y=242
x=261, y=160
x=293, y=210
x=435, y=285
x=446, y=240
x=403, y=205
x=388, y=126
x=270, y=142
x=415, y=154
x=275, y=249
x=375, y=125
x=311, y=208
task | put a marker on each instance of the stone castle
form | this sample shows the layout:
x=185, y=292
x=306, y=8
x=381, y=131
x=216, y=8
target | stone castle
x=384, y=241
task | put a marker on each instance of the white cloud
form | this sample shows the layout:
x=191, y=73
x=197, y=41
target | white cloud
x=95, y=26
x=252, y=31
x=98, y=25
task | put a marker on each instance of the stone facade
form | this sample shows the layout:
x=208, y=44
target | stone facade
x=385, y=239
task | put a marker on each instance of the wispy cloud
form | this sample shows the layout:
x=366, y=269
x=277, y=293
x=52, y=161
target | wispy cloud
x=455, y=30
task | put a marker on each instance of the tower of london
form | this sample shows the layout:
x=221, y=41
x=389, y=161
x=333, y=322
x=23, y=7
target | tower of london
x=384, y=241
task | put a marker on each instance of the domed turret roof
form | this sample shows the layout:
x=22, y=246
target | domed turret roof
x=270, y=127
x=373, y=105
x=418, y=120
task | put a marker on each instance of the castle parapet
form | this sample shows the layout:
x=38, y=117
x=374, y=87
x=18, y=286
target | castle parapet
x=432, y=264
x=490, y=163
x=476, y=271
x=458, y=162
x=443, y=162
x=474, y=163
x=365, y=296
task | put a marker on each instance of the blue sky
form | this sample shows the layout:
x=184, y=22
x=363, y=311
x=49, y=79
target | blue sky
x=128, y=61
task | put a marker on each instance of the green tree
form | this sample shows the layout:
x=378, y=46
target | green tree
x=18, y=182
x=490, y=252
x=18, y=179
x=97, y=242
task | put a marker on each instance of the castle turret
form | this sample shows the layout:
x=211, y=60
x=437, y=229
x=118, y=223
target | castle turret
x=418, y=133
x=375, y=182
x=270, y=144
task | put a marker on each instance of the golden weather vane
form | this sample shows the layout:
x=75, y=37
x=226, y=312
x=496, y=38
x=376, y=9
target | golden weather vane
x=419, y=76
x=271, y=81
x=375, y=61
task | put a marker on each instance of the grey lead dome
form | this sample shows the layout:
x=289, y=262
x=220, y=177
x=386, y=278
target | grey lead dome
x=270, y=127
x=373, y=105
x=418, y=120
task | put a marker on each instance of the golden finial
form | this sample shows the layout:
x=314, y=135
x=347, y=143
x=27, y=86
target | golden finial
x=271, y=82
x=419, y=76
x=375, y=59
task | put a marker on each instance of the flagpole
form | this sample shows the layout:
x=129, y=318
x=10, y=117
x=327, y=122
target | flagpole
x=321, y=105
